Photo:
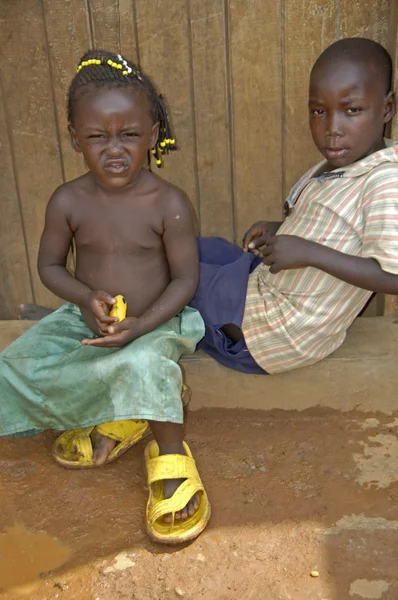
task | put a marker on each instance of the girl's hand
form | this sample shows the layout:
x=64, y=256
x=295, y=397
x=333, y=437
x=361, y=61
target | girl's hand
x=99, y=305
x=118, y=335
x=283, y=252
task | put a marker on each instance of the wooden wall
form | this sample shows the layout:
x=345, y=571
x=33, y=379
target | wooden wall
x=235, y=73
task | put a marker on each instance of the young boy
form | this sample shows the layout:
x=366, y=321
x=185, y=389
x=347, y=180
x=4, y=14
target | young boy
x=339, y=242
x=81, y=368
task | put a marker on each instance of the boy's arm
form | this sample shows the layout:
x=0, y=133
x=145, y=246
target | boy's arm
x=377, y=269
x=290, y=252
x=182, y=254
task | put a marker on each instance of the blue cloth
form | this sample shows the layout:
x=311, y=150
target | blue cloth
x=220, y=299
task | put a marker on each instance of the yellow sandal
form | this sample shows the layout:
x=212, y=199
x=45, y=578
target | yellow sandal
x=174, y=466
x=74, y=449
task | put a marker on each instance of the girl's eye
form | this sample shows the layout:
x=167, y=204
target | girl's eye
x=96, y=136
x=317, y=111
x=130, y=134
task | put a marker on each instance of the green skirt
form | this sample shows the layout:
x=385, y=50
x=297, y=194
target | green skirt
x=48, y=380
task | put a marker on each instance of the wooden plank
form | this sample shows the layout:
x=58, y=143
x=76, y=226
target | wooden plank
x=365, y=18
x=105, y=24
x=163, y=39
x=302, y=47
x=30, y=113
x=391, y=302
x=256, y=66
x=68, y=38
x=393, y=47
x=211, y=117
x=15, y=280
x=127, y=28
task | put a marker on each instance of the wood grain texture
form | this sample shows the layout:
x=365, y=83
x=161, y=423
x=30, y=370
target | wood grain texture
x=256, y=71
x=15, y=285
x=391, y=302
x=212, y=117
x=29, y=106
x=105, y=19
x=68, y=38
x=302, y=47
x=365, y=18
x=164, y=46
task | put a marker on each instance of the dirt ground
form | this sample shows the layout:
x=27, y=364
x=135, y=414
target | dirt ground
x=291, y=493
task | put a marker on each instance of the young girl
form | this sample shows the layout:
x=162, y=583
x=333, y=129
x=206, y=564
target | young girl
x=81, y=370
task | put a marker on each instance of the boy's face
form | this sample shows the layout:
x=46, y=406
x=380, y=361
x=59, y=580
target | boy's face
x=113, y=129
x=348, y=110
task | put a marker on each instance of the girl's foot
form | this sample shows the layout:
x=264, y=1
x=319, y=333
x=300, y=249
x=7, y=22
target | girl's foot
x=170, y=485
x=103, y=446
x=33, y=312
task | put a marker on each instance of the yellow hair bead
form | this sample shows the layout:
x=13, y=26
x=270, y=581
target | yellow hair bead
x=158, y=162
x=172, y=142
x=161, y=149
x=119, y=66
x=124, y=72
x=153, y=151
x=162, y=144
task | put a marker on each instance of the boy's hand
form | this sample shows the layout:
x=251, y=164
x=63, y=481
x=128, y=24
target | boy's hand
x=117, y=335
x=283, y=252
x=99, y=304
x=256, y=236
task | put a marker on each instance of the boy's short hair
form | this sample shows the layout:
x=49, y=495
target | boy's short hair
x=363, y=51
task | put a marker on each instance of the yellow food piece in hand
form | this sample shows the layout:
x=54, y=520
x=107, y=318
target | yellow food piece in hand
x=314, y=573
x=119, y=309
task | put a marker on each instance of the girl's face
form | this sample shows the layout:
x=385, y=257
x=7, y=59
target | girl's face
x=113, y=129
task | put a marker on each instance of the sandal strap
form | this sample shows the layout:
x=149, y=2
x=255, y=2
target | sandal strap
x=178, y=501
x=83, y=443
x=121, y=430
x=171, y=466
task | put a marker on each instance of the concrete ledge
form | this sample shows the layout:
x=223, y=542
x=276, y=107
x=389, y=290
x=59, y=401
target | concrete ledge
x=362, y=375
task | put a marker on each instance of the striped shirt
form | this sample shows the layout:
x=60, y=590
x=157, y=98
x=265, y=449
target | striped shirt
x=297, y=317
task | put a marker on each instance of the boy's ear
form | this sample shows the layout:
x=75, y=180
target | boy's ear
x=154, y=135
x=73, y=138
x=390, y=107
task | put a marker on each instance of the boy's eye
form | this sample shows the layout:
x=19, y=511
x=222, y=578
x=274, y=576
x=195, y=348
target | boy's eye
x=96, y=136
x=130, y=134
x=317, y=111
x=353, y=111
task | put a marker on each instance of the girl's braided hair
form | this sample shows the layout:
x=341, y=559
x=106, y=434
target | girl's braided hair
x=102, y=69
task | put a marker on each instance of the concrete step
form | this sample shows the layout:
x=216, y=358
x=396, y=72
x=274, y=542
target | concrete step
x=362, y=375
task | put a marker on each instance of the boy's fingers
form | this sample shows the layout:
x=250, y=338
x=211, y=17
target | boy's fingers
x=274, y=269
x=258, y=242
x=266, y=251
